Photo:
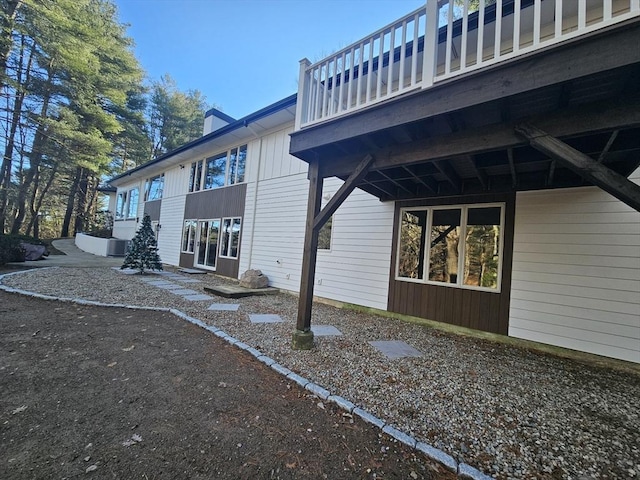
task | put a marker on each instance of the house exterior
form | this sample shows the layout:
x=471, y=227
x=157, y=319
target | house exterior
x=473, y=167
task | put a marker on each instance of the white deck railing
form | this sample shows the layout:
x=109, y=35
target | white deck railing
x=439, y=41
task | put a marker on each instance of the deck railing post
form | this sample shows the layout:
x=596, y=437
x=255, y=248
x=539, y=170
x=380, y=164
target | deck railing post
x=303, y=93
x=430, y=44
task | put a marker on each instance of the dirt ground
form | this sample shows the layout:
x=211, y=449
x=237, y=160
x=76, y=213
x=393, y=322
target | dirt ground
x=116, y=393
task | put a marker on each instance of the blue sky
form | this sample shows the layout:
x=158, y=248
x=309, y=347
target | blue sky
x=244, y=54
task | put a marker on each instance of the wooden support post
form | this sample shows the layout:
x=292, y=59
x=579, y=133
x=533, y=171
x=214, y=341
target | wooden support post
x=303, y=336
x=605, y=178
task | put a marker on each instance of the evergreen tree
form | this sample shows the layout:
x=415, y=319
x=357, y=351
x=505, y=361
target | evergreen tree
x=143, y=252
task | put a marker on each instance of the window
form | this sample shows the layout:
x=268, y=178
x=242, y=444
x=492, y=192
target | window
x=189, y=236
x=132, y=210
x=324, y=236
x=230, y=237
x=121, y=205
x=153, y=188
x=462, y=247
x=237, y=163
x=215, y=171
x=195, y=177
x=227, y=168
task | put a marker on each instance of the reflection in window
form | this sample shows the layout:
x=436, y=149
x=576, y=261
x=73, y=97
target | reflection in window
x=324, y=235
x=230, y=237
x=121, y=203
x=153, y=188
x=237, y=162
x=482, y=241
x=411, y=253
x=226, y=168
x=462, y=246
x=215, y=171
x=443, y=251
x=195, y=176
x=132, y=210
x=189, y=236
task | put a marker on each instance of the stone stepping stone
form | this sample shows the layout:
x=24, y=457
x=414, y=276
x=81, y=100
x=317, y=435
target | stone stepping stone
x=170, y=286
x=160, y=283
x=325, y=331
x=185, y=291
x=126, y=271
x=265, y=318
x=192, y=271
x=224, y=307
x=188, y=280
x=395, y=349
x=197, y=297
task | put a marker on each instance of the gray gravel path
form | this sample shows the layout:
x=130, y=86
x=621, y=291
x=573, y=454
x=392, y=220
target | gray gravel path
x=508, y=411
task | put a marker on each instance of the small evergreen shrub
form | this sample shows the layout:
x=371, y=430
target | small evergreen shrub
x=143, y=251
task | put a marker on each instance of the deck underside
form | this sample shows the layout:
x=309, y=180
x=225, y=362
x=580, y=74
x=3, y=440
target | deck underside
x=460, y=137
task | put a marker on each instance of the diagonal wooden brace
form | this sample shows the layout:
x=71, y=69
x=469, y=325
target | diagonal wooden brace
x=343, y=192
x=605, y=178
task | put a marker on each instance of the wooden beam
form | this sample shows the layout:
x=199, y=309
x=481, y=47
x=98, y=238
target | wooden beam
x=595, y=118
x=376, y=185
x=551, y=172
x=482, y=176
x=395, y=182
x=310, y=250
x=343, y=192
x=430, y=184
x=512, y=168
x=449, y=173
x=608, y=146
x=589, y=169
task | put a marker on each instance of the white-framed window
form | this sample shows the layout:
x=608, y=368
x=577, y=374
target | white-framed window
x=230, y=238
x=153, y=188
x=457, y=246
x=121, y=205
x=189, y=236
x=132, y=204
x=127, y=204
x=226, y=168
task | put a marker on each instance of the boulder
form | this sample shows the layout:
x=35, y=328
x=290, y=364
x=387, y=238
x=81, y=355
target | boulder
x=254, y=279
x=33, y=252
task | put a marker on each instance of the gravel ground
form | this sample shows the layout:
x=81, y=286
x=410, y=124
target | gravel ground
x=509, y=412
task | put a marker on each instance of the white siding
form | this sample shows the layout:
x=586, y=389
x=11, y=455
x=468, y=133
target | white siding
x=356, y=270
x=576, y=272
x=176, y=181
x=170, y=234
x=275, y=159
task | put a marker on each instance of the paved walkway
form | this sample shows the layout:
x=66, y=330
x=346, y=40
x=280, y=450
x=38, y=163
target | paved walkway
x=74, y=257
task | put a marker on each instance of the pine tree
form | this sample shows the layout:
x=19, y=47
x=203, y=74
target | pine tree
x=143, y=252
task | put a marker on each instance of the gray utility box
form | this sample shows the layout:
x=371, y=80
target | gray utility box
x=117, y=247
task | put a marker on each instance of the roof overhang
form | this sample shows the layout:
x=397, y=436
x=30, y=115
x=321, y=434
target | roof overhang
x=242, y=130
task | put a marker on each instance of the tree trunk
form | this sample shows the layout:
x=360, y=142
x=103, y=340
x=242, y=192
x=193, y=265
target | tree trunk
x=81, y=206
x=70, y=203
x=7, y=159
x=34, y=160
x=36, y=203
